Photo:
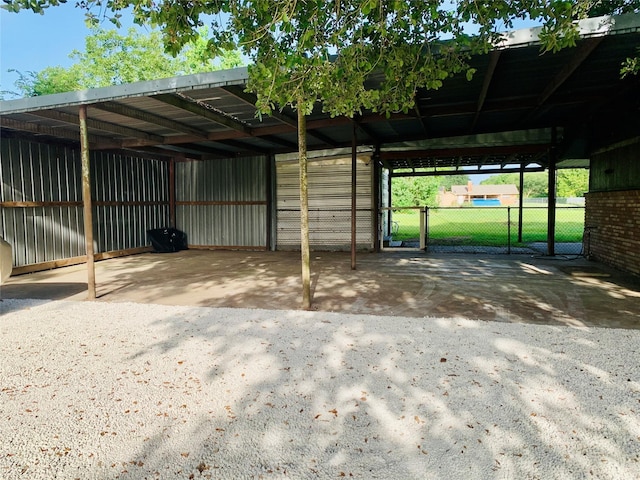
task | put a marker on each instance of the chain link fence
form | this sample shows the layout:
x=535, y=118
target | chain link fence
x=486, y=229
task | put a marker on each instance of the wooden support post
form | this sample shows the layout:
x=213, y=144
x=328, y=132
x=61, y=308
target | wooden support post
x=551, y=202
x=520, y=203
x=377, y=213
x=86, y=200
x=304, y=207
x=354, y=212
x=269, y=168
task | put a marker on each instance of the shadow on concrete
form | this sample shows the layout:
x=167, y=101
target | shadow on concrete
x=514, y=288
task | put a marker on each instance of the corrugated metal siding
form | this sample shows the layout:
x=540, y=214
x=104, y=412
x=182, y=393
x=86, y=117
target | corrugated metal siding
x=223, y=202
x=329, y=204
x=39, y=173
x=384, y=201
x=131, y=196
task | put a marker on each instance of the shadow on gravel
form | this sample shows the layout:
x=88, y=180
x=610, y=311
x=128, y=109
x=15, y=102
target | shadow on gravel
x=288, y=394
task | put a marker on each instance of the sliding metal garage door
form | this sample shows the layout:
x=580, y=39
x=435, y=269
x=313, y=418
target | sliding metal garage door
x=329, y=203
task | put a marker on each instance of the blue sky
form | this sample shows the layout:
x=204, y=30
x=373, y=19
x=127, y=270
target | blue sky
x=31, y=42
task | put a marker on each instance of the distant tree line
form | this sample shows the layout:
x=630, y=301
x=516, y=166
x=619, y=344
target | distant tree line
x=422, y=191
x=570, y=183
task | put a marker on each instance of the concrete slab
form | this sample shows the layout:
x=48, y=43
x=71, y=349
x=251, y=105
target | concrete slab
x=515, y=288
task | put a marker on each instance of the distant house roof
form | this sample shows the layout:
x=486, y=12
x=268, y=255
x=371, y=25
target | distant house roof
x=482, y=190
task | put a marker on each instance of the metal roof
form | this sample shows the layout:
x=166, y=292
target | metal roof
x=517, y=105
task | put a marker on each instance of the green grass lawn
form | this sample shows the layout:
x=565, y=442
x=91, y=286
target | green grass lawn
x=489, y=226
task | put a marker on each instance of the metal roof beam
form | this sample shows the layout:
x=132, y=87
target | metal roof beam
x=203, y=149
x=165, y=152
x=278, y=141
x=204, y=110
x=494, y=56
x=62, y=133
x=420, y=116
x=126, y=111
x=98, y=125
x=366, y=130
x=472, y=172
x=464, y=151
x=582, y=52
x=250, y=99
x=245, y=146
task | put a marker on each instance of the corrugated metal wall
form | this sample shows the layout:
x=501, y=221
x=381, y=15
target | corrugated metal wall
x=131, y=196
x=41, y=198
x=223, y=203
x=329, y=204
x=41, y=201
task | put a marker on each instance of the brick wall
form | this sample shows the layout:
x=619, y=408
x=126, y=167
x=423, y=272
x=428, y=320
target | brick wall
x=615, y=240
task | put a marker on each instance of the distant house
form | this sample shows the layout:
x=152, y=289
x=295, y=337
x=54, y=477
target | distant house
x=479, y=195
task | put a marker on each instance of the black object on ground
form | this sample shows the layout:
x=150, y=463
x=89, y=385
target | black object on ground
x=166, y=240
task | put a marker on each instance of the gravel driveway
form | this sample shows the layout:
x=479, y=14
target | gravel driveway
x=95, y=390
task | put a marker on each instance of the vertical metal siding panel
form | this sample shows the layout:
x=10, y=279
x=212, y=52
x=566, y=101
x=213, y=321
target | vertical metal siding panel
x=74, y=166
x=43, y=173
x=230, y=180
x=135, y=180
x=329, y=204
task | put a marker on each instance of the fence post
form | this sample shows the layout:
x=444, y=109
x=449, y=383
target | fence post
x=425, y=237
x=508, y=230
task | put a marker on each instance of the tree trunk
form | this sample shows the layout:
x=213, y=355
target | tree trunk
x=86, y=201
x=304, y=207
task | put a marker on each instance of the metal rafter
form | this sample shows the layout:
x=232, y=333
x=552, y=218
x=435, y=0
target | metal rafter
x=55, y=132
x=583, y=51
x=494, y=57
x=204, y=110
x=98, y=125
x=251, y=99
x=151, y=118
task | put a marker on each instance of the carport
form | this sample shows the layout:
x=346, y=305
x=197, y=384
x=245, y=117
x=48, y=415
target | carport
x=86, y=174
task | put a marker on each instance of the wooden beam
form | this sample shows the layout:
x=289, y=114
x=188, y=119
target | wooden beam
x=30, y=204
x=66, y=262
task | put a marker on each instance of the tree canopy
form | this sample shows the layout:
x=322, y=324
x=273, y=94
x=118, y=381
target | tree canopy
x=111, y=58
x=305, y=52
